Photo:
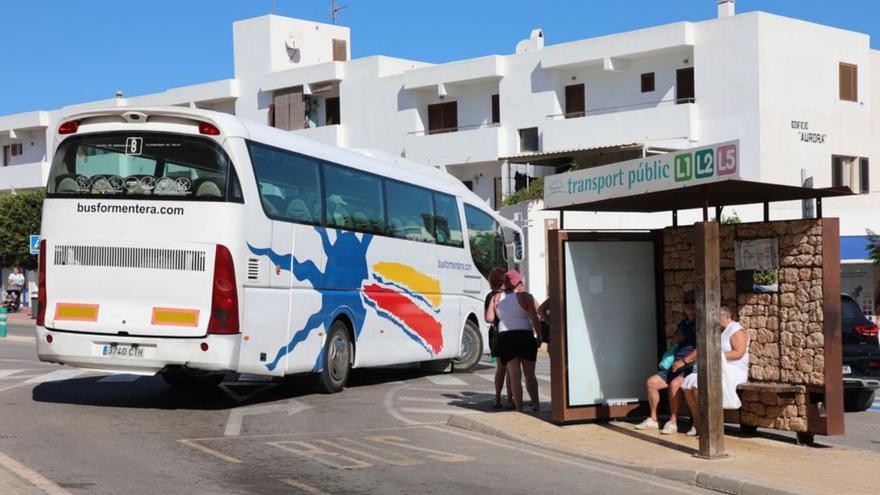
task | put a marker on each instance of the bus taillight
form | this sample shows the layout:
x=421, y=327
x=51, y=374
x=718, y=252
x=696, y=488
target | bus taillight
x=208, y=129
x=69, y=127
x=41, y=285
x=224, y=297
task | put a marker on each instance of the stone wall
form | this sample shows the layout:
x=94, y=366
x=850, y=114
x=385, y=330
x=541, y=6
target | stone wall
x=786, y=328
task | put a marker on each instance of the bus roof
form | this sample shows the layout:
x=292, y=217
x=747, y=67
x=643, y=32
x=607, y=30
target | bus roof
x=377, y=162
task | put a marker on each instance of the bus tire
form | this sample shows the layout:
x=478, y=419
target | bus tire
x=191, y=379
x=337, y=361
x=472, y=348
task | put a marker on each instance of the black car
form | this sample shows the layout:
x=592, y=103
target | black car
x=861, y=356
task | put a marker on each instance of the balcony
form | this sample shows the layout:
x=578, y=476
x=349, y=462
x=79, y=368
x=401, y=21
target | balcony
x=471, y=71
x=664, y=123
x=467, y=144
x=23, y=176
x=328, y=134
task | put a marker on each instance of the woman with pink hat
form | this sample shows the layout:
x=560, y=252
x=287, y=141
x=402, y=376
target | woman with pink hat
x=519, y=333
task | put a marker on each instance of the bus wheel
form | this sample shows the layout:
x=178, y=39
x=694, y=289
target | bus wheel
x=471, y=348
x=191, y=379
x=337, y=361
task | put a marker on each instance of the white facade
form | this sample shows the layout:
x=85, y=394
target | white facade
x=758, y=78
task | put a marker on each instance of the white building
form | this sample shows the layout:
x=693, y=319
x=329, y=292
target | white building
x=797, y=95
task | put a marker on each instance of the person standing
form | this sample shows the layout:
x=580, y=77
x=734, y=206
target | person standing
x=519, y=332
x=496, y=283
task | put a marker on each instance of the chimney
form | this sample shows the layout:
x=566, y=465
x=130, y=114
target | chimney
x=726, y=8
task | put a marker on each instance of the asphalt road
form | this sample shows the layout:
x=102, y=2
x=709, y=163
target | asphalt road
x=75, y=431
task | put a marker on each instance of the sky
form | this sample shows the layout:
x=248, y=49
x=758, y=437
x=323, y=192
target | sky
x=61, y=52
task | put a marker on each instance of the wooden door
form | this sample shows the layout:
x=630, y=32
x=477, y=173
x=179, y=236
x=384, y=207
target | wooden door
x=684, y=85
x=575, y=101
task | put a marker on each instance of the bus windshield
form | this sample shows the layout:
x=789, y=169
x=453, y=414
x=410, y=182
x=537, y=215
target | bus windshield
x=140, y=165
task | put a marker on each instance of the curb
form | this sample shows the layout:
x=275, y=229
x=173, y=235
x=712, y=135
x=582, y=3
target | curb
x=702, y=479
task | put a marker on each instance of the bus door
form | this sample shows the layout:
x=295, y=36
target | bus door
x=267, y=308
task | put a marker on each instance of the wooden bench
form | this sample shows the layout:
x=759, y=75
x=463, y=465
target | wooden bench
x=779, y=389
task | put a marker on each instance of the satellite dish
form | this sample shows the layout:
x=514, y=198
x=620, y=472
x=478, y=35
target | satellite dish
x=294, y=40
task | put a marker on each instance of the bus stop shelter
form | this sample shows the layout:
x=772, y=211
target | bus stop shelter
x=615, y=294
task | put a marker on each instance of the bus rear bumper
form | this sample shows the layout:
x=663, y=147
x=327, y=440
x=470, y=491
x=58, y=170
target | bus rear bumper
x=91, y=352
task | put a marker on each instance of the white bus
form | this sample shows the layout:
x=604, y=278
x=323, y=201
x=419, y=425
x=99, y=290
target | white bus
x=191, y=243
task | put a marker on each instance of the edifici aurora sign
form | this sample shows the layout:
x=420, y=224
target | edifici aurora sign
x=713, y=163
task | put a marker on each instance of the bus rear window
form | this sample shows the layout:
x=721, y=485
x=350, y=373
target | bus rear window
x=140, y=165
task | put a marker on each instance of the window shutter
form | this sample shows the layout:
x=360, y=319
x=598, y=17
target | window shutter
x=297, y=109
x=496, y=109
x=864, y=178
x=849, y=82
x=340, y=50
x=837, y=171
x=450, y=115
x=281, y=102
x=648, y=82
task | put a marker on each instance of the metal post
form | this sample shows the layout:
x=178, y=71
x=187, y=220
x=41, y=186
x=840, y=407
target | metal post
x=561, y=219
x=818, y=207
x=718, y=210
x=675, y=218
x=706, y=210
x=766, y=211
x=707, y=285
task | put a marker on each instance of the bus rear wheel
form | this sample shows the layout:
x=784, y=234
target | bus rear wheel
x=337, y=361
x=191, y=379
x=471, y=348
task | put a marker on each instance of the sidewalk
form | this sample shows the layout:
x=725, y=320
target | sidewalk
x=757, y=465
x=21, y=318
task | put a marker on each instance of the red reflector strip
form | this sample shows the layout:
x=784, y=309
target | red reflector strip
x=868, y=330
x=76, y=312
x=175, y=317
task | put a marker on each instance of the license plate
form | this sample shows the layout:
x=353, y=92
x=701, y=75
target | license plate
x=847, y=370
x=124, y=351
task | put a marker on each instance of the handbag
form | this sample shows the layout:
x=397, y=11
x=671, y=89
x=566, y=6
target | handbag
x=493, y=339
x=668, y=357
x=545, y=332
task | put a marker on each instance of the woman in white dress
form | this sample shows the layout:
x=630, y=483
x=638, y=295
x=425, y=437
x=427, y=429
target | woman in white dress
x=735, y=350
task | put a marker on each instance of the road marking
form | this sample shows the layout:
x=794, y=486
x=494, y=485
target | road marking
x=304, y=487
x=486, y=376
x=400, y=461
x=418, y=410
x=403, y=443
x=530, y=450
x=18, y=339
x=5, y=373
x=120, y=378
x=31, y=476
x=446, y=380
x=209, y=451
x=55, y=376
x=320, y=455
x=388, y=402
x=426, y=399
x=236, y=416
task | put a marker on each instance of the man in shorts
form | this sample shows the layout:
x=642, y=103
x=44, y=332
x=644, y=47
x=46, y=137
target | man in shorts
x=686, y=338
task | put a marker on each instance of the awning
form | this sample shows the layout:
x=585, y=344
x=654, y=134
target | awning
x=553, y=158
x=724, y=193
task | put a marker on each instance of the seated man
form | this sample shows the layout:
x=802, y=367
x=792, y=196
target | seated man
x=686, y=338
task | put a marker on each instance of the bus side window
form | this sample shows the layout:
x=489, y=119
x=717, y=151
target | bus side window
x=447, y=221
x=353, y=200
x=486, y=240
x=288, y=183
x=410, y=212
